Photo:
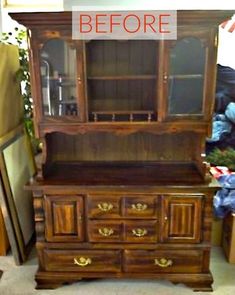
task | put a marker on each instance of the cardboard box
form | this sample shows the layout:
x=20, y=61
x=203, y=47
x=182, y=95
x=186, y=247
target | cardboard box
x=228, y=241
x=216, y=234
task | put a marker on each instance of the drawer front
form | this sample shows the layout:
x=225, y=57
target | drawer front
x=177, y=261
x=82, y=261
x=105, y=231
x=140, y=231
x=104, y=206
x=122, y=206
x=144, y=231
x=140, y=206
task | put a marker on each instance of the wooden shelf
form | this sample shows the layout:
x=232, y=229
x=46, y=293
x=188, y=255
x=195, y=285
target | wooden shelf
x=123, y=77
x=192, y=76
x=115, y=116
x=123, y=173
x=123, y=112
x=69, y=125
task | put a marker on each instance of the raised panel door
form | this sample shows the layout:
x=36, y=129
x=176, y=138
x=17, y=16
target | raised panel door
x=181, y=218
x=64, y=218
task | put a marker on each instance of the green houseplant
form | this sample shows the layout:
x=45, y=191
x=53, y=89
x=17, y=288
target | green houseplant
x=224, y=157
x=18, y=37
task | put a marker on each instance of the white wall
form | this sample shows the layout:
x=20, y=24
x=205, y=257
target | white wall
x=154, y=4
x=226, y=48
x=0, y=17
x=226, y=52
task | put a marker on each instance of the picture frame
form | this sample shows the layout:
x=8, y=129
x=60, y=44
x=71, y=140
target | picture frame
x=17, y=166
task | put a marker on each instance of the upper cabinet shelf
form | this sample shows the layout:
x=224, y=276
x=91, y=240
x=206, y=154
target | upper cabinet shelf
x=123, y=77
x=132, y=81
x=121, y=84
x=186, y=76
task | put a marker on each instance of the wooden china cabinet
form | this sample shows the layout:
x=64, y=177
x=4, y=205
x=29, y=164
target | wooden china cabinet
x=123, y=191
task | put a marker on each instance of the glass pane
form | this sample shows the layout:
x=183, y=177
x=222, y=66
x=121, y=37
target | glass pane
x=186, y=77
x=58, y=76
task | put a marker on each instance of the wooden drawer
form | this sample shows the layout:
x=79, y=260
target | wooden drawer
x=140, y=231
x=172, y=261
x=140, y=206
x=82, y=261
x=104, y=206
x=105, y=231
x=122, y=206
x=122, y=231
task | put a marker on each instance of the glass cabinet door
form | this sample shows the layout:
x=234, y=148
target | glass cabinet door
x=186, y=77
x=186, y=74
x=59, y=78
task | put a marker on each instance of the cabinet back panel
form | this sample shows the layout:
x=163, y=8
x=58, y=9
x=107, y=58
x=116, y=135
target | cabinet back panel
x=122, y=95
x=120, y=77
x=134, y=147
x=106, y=58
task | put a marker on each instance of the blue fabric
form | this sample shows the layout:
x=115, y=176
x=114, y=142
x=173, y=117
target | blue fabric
x=230, y=112
x=224, y=200
x=220, y=126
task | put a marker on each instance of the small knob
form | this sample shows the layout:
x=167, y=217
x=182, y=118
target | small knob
x=165, y=78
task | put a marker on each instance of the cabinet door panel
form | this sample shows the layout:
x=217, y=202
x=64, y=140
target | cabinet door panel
x=58, y=71
x=187, y=74
x=181, y=219
x=64, y=218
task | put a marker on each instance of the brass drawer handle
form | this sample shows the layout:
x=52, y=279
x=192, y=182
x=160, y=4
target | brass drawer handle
x=105, y=207
x=82, y=261
x=139, y=232
x=139, y=207
x=163, y=262
x=106, y=232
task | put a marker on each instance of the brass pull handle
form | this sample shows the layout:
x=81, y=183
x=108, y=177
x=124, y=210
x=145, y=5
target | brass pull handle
x=105, y=207
x=139, y=232
x=106, y=232
x=82, y=261
x=139, y=207
x=163, y=262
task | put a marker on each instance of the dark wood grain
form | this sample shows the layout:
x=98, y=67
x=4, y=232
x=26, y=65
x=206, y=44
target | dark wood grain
x=58, y=19
x=120, y=173
x=123, y=190
x=181, y=219
x=64, y=218
x=63, y=261
x=178, y=261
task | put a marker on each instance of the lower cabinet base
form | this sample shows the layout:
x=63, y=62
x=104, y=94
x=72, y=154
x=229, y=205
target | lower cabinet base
x=52, y=280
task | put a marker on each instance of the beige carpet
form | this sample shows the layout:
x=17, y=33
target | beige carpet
x=19, y=280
